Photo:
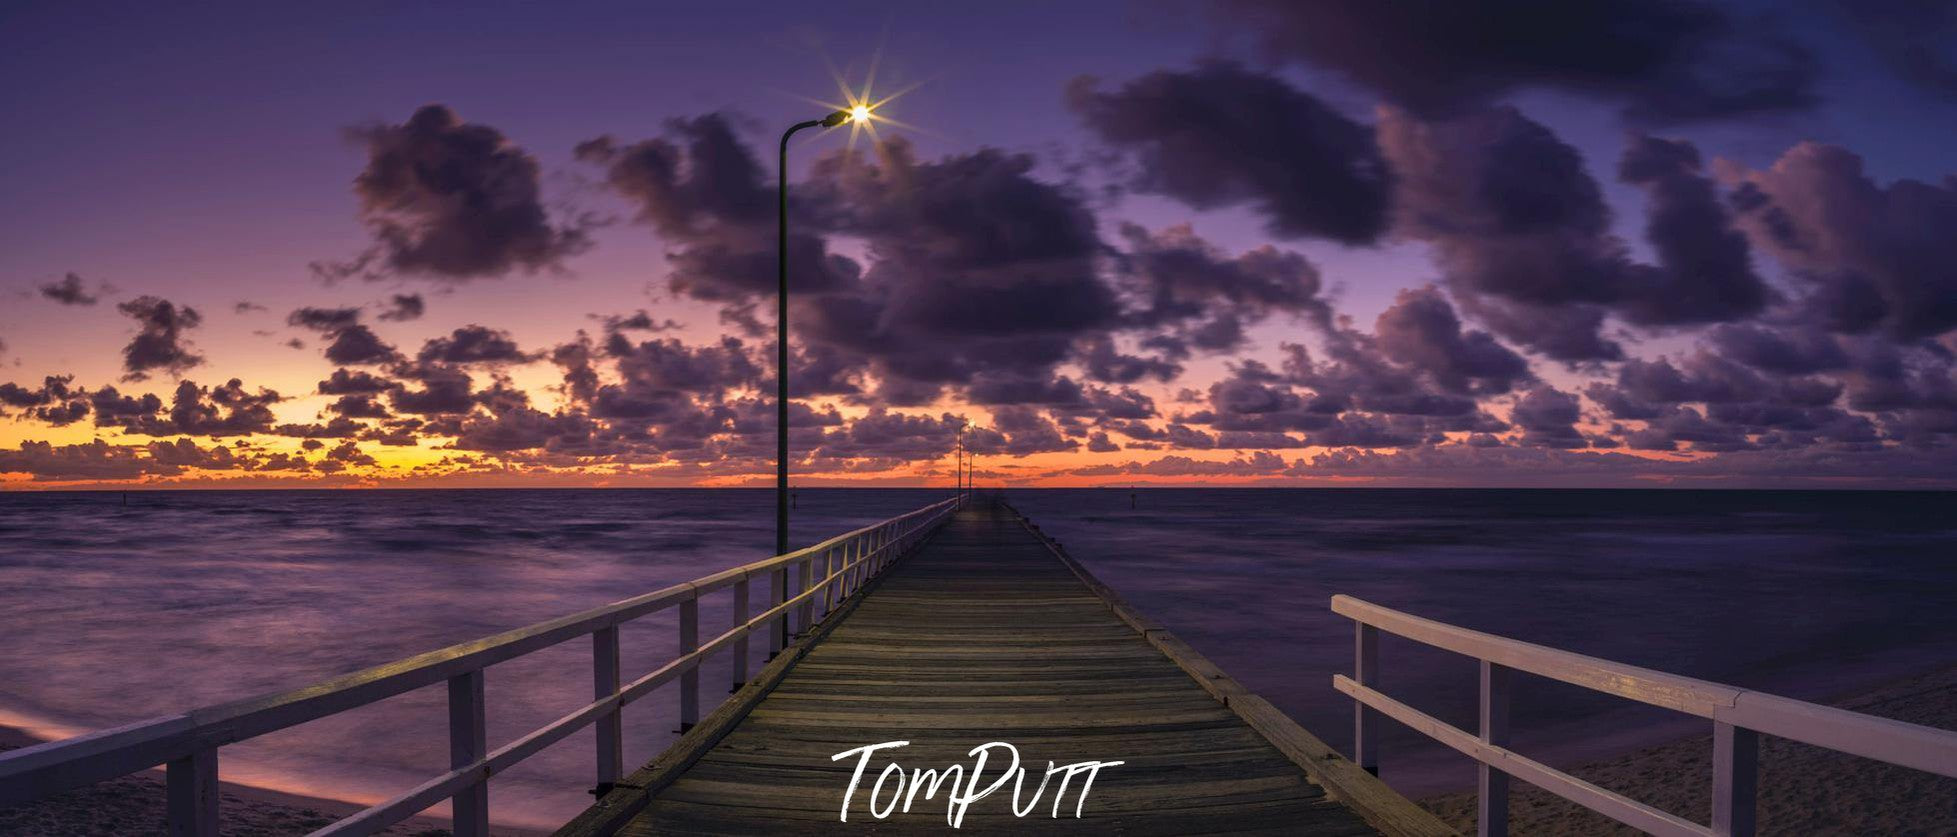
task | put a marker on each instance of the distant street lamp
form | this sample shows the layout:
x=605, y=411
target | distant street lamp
x=781, y=331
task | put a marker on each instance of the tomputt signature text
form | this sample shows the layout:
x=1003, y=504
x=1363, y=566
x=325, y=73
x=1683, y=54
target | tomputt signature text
x=961, y=788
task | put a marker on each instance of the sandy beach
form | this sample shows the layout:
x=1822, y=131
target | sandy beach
x=1803, y=790
x=134, y=806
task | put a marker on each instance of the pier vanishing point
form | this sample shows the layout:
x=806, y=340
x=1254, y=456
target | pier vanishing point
x=949, y=627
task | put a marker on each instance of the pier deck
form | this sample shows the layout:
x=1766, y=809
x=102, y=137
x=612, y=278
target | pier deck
x=986, y=634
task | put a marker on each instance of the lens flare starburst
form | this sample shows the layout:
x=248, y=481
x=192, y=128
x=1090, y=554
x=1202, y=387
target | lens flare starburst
x=863, y=106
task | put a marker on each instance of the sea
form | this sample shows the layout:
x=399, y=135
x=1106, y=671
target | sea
x=115, y=608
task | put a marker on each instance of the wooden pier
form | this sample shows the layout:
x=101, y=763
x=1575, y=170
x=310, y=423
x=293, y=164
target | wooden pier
x=988, y=633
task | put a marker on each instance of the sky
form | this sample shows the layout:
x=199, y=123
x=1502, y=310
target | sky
x=1322, y=243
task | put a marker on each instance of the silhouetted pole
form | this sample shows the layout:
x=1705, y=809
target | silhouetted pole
x=781, y=345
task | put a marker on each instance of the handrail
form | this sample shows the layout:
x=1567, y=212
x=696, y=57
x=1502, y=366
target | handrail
x=187, y=743
x=1738, y=716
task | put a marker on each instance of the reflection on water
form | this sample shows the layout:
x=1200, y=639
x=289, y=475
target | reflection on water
x=111, y=614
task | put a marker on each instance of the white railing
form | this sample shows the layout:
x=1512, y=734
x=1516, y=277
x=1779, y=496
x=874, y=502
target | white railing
x=187, y=744
x=1739, y=717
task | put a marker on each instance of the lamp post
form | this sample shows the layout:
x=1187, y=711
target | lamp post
x=968, y=459
x=781, y=337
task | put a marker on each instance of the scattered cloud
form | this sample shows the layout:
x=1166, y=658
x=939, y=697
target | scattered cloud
x=452, y=201
x=68, y=291
x=160, y=342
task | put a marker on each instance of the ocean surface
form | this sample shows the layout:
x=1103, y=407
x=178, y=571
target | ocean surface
x=112, y=613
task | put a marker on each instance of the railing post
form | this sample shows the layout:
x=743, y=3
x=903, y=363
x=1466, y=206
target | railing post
x=190, y=785
x=468, y=742
x=808, y=584
x=1492, y=814
x=740, y=642
x=851, y=579
x=777, y=593
x=611, y=730
x=690, y=678
x=1735, y=779
x=1365, y=720
x=828, y=580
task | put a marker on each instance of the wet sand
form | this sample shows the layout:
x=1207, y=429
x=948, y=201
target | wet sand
x=1804, y=790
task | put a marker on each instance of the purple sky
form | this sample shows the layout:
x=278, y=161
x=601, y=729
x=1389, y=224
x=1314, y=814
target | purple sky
x=1522, y=243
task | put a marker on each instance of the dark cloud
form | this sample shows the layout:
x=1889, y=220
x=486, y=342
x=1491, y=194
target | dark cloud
x=326, y=320
x=63, y=413
x=1221, y=135
x=356, y=345
x=56, y=402
x=354, y=382
x=1548, y=418
x=1415, y=380
x=473, y=344
x=96, y=459
x=443, y=391
x=524, y=428
x=352, y=343
x=226, y=410
x=355, y=406
x=68, y=291
x=1873, y=257
x=886, y=435
x=1184, y=289
x=159, y=341
x=696, y=177
x=1795, y=351
x=1522, y=234
x=1665, y=60
x=404, y=307
x=340, y=427
x=1026, y=431
x=1717, y=404
x=1364, y=430
x=1915, y=37
x=1422, y=331
x=53, y=388
x=452, y=200
x=345, y=454
x=113, y=408
x=983, y=273
x=1704, y=272
x=706, y=195
x=1261, y=463
x=1124, y=403
x=638, y=320
x=1519, y=229
x=1103, y=361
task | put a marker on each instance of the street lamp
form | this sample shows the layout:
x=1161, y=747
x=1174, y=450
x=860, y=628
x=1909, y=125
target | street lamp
x=858, y=112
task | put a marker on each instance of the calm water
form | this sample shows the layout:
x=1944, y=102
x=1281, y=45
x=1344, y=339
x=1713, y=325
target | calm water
x=111, y=614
